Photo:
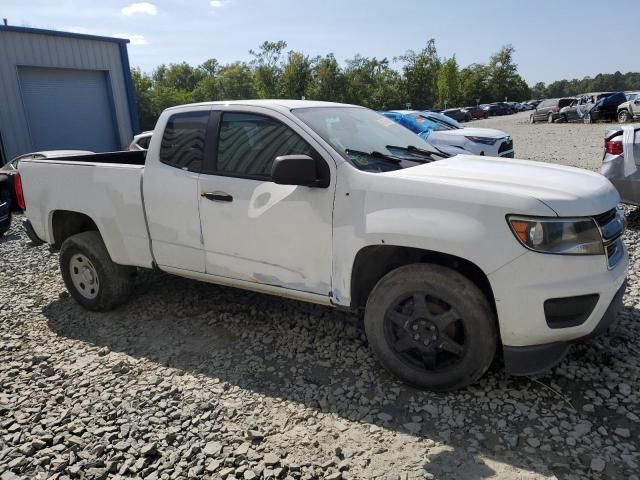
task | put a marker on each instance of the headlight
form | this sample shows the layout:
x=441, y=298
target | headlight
x=485, y=141
x=579, y=236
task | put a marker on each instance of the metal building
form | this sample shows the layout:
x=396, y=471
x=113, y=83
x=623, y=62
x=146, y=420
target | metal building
x=61, y=90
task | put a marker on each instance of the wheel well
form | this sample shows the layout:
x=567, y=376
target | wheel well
x=374, y=262
x=66, y=223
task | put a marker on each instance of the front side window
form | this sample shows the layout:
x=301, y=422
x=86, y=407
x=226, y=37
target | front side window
x=183, y=140
x=249, y=143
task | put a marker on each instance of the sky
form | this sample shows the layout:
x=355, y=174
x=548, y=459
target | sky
x=552, y=38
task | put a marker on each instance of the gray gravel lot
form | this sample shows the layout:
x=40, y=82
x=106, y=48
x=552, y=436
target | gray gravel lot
x=191, y=380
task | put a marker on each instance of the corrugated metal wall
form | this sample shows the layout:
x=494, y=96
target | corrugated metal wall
x=42, y=50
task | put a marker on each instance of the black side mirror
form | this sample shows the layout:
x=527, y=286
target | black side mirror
x=294, y=170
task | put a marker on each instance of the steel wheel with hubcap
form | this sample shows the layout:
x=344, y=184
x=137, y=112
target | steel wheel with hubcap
x=431, y=326
x=623, y=116
x=92, y=278
x=84, y=276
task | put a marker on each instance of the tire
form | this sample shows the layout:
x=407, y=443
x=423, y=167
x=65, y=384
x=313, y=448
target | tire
x=623, y=116
x=564, y=119
x=532, y=118
x=457, y=323
x=550, y=118
x=90, y=275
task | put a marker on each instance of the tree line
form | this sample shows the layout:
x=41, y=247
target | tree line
x=424, y=80
x=603, y=82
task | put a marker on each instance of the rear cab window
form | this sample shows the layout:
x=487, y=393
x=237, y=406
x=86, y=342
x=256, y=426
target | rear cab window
x=183, y=140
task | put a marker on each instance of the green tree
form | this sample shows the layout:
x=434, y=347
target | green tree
x=267, y=69
x=372, y=83
x=473, y=85
x=539, y=90
x=420, y=73
x=236, y=82
x=448, y=83
x=504, y=81
x=296, y=76
x=143, y=86
x=328, y=81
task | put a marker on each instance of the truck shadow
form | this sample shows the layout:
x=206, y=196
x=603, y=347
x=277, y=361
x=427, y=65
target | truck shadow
x=318, y=357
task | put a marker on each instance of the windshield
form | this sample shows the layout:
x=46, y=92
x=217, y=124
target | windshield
x=364, y=138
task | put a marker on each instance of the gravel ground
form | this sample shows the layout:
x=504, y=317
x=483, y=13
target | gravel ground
x=574, y=144
x=190, y=380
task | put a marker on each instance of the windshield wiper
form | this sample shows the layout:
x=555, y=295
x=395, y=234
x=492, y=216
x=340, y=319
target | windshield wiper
x=420, y=151
x=375, y=154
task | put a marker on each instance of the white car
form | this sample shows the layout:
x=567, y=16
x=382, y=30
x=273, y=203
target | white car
x=445, y=135
x=336, y=205
x=141, y=141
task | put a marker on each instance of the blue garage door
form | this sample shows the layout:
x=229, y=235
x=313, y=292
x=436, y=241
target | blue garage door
x=68, y=109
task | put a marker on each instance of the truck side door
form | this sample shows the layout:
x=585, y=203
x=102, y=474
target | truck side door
x=170, y=188
x=253, y=229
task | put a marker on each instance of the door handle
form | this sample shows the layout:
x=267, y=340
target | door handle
x=217, y=196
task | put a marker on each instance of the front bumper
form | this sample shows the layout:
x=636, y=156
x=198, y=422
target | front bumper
x=533, y=359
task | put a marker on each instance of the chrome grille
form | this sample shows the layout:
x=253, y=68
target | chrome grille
x=612, y=226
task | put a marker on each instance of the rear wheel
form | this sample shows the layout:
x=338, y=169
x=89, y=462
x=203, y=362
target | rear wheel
x=90, y=275
x=550, y=118
x=431, y=326
x=623, y=116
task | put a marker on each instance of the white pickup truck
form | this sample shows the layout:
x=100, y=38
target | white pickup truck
x=449, y=258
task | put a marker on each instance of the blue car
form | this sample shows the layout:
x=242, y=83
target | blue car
x=450, y=137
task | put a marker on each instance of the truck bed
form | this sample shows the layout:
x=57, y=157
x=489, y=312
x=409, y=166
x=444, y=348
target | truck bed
x=133, y=157
x=107, y=187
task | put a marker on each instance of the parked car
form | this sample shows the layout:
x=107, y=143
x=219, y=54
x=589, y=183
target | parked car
x=549, y=110
x=457, y=114
x=507, y=107
x=574, y=111
x=629, y=110
x=621, y=160
x=478, y=141
x=141, y=141
x=476, y=112
x=495, y=109
x=606, y=108
x=9, y=201
x=336, y=205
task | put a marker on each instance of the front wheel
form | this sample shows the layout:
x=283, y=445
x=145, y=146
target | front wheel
x=90, y=275
x=431, y=326
x=532, y=118
x=623, y=116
